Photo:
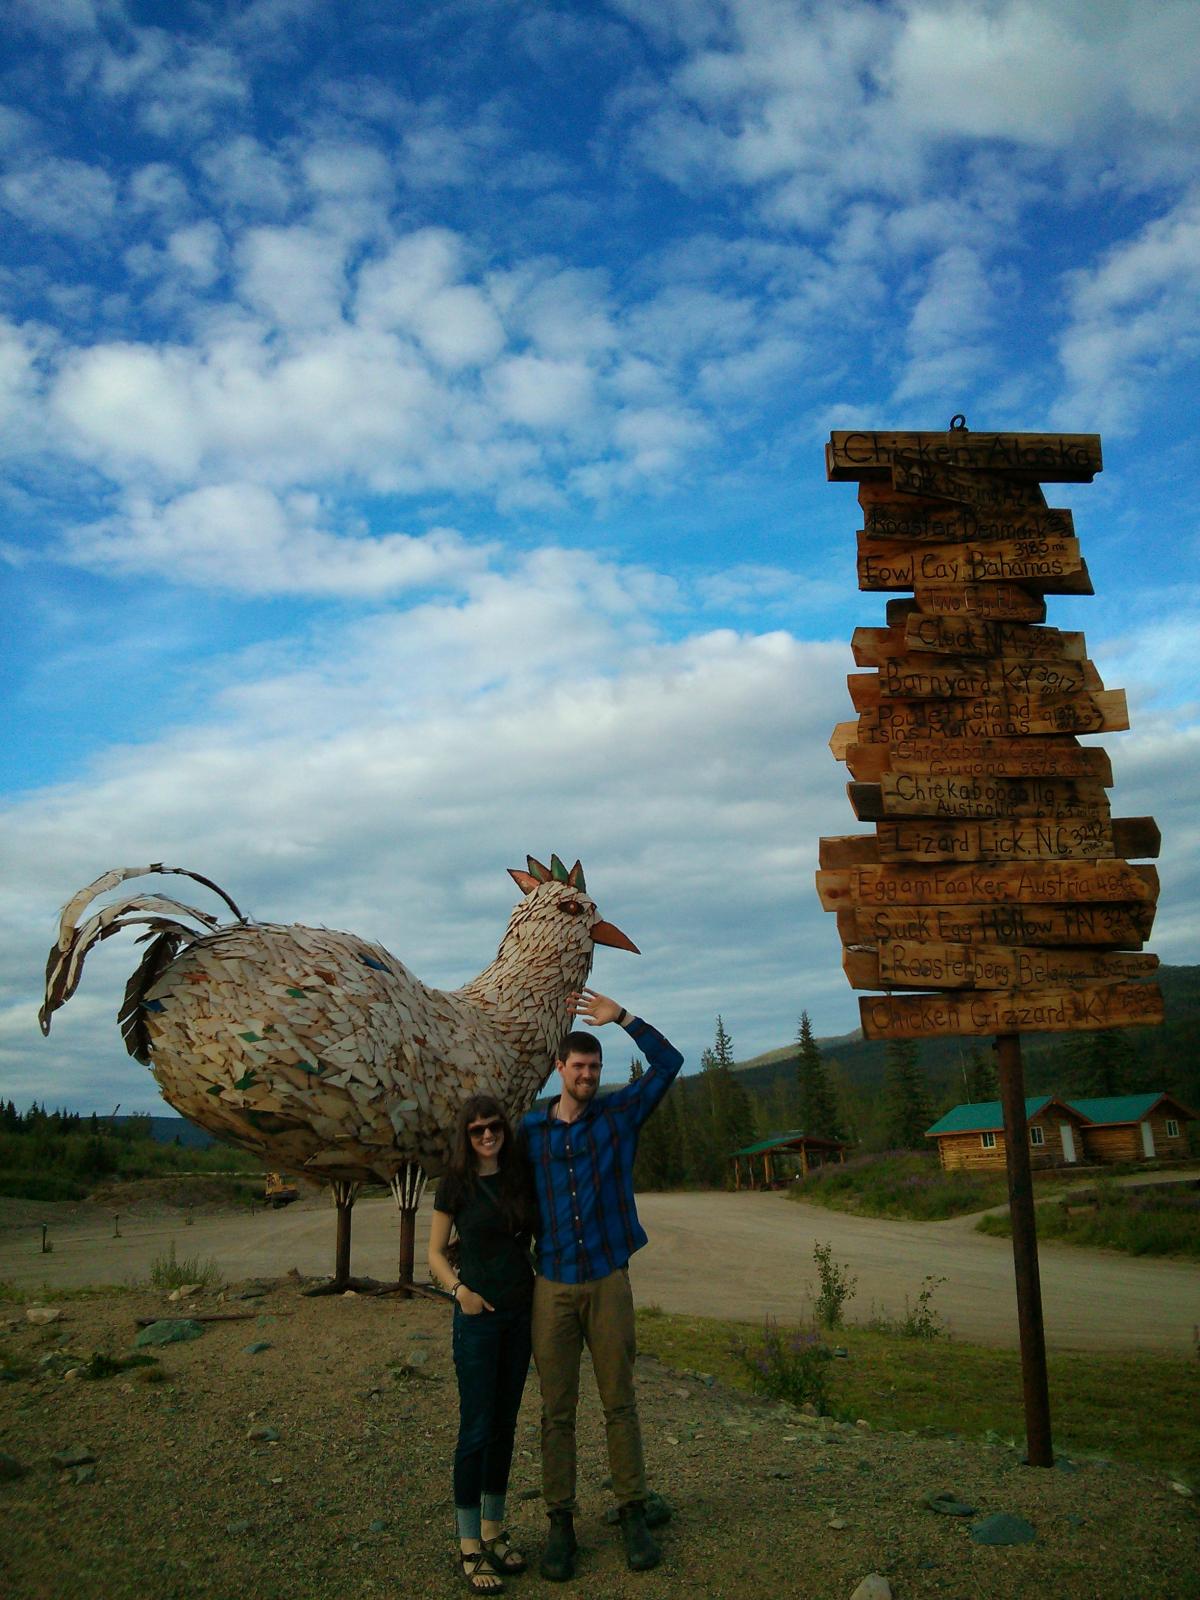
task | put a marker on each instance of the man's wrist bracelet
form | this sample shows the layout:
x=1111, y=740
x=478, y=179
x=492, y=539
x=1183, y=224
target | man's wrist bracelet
x=625, y=1018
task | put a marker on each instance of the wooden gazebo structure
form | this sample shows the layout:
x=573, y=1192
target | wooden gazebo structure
x=756, y=1166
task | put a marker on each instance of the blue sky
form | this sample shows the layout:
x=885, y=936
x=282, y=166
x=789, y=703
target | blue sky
x=412, y=451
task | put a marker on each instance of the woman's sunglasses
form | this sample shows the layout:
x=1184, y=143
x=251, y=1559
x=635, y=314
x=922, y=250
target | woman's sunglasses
x=478, y=1129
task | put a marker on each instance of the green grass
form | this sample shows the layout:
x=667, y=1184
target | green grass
x=168, y=1272
x=1137, y=1407
x=1159, y=1222
x=49, y=1294
x=904, y=1183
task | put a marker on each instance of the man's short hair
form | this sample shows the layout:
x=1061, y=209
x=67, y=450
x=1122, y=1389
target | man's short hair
x=583, y=1044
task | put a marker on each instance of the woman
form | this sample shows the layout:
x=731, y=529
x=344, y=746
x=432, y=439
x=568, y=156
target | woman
x=486, y=1197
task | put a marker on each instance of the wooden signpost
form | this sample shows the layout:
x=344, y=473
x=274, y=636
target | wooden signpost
x=997, y=893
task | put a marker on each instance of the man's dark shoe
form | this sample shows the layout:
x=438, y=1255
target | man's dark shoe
x=558, y=1558
x=641, y=1548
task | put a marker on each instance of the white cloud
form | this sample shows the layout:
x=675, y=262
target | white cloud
x=246, y=176
x=293, y=277
x=1045, y=72
x=387, y=780
x=20, y=383
x=536, y=392
x=949, y=327
x=1132, y=319
x=177, y=85
x=197, y=251
x=243, y=538
x=56, y=195
x=415, y=287
x=159, y=190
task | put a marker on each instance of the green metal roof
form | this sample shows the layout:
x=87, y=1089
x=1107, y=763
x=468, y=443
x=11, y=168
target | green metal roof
x=774, y=1140
x=988, y=1115
x=983, y=1116
x=1113, y=1108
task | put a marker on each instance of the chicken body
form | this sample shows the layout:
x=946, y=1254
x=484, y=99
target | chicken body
x=323, y=1053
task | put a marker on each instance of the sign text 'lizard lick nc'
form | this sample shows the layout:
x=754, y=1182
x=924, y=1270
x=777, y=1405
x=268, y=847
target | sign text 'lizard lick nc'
x=998, y=893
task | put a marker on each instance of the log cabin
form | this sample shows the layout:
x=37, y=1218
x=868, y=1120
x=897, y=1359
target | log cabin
x=1088, y=1132
x=1134, y=1127
x=971, y=1137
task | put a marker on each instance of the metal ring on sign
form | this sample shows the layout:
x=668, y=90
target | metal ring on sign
x=958, y=423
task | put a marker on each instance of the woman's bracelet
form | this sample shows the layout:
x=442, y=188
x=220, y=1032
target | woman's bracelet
x=454, y=1288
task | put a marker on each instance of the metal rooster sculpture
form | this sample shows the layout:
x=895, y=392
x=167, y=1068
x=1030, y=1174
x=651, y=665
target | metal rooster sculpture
x=322, y=1053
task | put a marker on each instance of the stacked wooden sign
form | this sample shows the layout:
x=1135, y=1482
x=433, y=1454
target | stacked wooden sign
x=997, y=884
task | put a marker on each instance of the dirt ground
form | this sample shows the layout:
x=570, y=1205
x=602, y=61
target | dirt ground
x=352, y=1498
x=740, y=1256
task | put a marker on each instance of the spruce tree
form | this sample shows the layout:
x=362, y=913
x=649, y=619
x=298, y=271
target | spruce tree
x=982, y=1083
x=818, y=1110
x=730, y=1116
x=906, y=1098
x=1110, y=1062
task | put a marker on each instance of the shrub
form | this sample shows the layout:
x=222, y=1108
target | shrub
x=791, y=1366
x=899, y=1183
x=837, y=1286
x=167, y=1272
x=1161, y=1220
x=919, y=1321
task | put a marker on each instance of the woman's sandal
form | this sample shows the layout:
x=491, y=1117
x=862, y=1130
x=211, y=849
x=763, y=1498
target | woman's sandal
x=477, y=1565
x=507, y=1558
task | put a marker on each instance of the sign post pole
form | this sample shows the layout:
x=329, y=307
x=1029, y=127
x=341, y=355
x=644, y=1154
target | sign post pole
x=1025, y=1253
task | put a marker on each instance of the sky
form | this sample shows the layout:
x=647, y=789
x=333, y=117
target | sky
x=412, y=421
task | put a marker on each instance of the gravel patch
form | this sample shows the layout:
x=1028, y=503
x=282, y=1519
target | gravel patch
x=317, y=1467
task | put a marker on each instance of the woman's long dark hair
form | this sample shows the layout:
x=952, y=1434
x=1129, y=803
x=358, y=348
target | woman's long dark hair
x=516, y=1194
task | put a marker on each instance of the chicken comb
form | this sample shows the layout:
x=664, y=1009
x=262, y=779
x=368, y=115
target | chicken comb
x=537, y=870
x=557, y=871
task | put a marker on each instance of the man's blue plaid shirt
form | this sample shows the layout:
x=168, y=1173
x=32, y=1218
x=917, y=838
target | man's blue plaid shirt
x=584, y=1169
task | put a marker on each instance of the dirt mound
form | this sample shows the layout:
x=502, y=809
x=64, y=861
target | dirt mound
x=305, y=1450
x=178, y=1191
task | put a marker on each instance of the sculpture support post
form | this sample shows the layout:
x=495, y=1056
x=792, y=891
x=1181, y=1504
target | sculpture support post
x=1025, y=1256
x=344, y=1196
x=407, y=1185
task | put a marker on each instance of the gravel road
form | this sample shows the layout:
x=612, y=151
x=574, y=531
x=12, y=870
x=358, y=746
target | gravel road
x=740, y=1256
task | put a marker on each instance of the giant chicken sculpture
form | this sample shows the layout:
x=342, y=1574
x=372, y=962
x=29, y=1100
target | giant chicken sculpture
x=321, y=1052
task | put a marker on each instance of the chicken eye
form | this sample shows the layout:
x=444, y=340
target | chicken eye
x=571, y=907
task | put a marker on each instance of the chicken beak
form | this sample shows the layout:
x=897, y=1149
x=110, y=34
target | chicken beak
x=605, y=933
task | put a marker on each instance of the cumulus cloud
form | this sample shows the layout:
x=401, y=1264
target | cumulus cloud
x=1133, y=318
x=948, y=327
x=243, y=538
x=1044, y=72
x=386, y=783
x=410, y=366
x=57, y=195
x=176, y=84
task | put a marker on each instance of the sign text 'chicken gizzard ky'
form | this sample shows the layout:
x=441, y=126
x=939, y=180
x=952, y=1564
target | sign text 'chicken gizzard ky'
x=997, y=893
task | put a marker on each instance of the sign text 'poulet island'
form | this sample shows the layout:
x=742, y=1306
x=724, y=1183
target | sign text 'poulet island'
x=997, y=894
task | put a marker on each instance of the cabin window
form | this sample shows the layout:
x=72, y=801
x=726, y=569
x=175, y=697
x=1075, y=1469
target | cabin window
x=1172, y=1128
x=988, y=1140
x=1037, y=1136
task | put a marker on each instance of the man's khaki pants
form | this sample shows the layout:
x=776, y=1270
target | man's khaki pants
x=566, y=1316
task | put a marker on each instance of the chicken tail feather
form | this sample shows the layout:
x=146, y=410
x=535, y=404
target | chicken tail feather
x=64, y=965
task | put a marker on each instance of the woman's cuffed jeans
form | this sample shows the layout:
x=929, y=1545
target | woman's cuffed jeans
x=491, y=1358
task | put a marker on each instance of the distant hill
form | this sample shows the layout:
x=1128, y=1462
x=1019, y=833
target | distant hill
x=1169, y=1056
x=168, y=1129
